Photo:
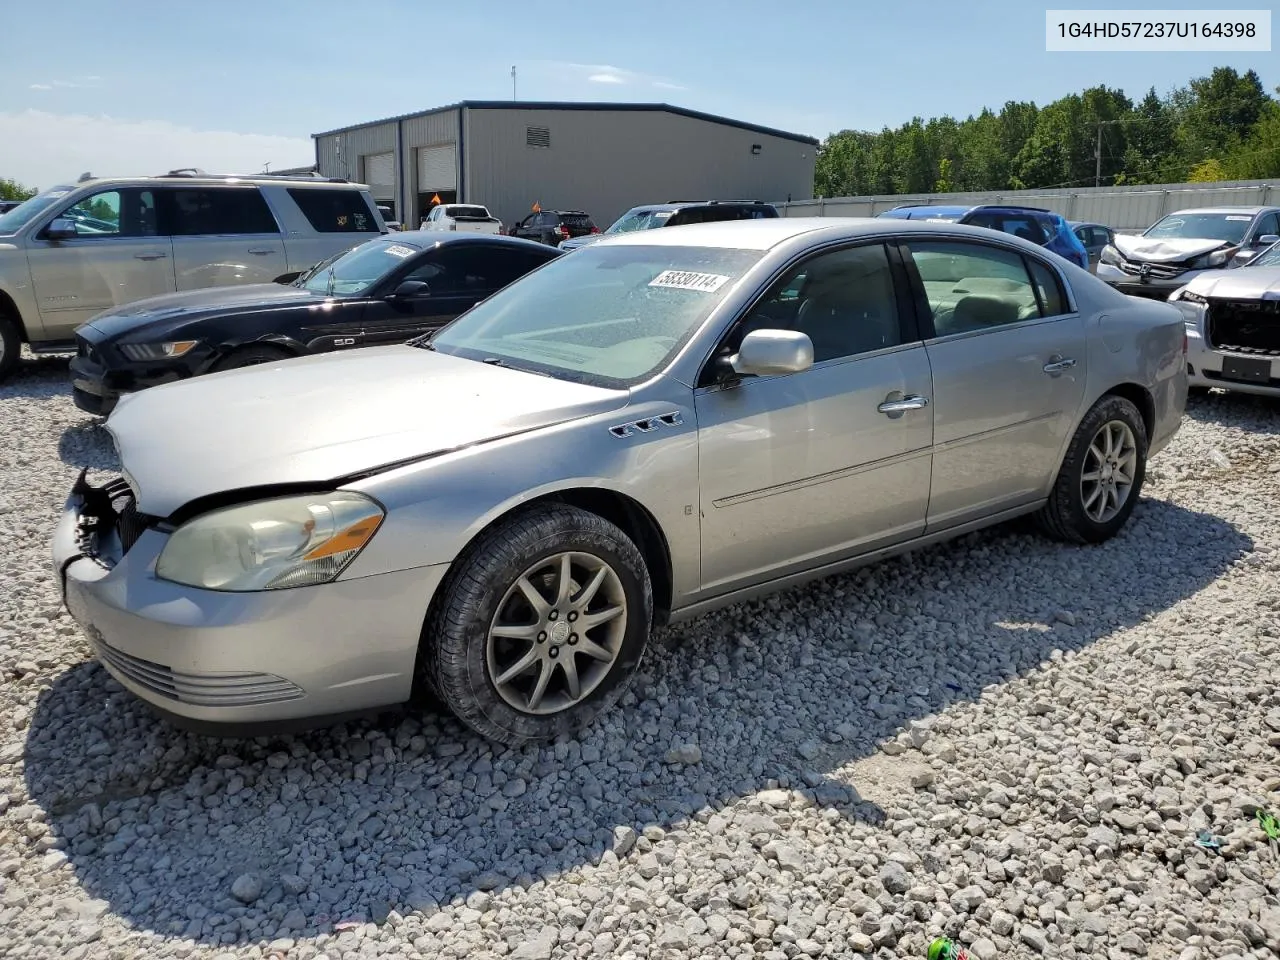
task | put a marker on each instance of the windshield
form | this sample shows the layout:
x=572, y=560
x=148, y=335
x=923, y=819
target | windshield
x=608, y=315
x=352, y=273
x=1269, y=257
x=24, y=213
x=643, y=220
x=1227, y=227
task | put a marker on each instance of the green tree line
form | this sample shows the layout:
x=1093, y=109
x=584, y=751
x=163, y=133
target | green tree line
x=13, y=190
x=1221, y=127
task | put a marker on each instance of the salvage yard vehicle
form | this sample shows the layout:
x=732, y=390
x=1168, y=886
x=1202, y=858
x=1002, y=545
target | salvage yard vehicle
x=1095, y=237
x=1233, y=326
x=464, y=217
x=387, y=290
x=678, y=213
x=1185, y=245
x=651, y=427
x=1039, y=226
x=73, y=251
x=552, y=226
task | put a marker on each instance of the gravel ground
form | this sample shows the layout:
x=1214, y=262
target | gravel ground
x=1002, y=739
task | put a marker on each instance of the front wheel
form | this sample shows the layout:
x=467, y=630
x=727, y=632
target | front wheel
x=10, y=346
x=1101, y=476
x=541, y=625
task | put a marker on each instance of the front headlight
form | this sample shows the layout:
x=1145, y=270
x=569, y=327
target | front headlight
x=1110, y=255
x=142, y=352
x=1211, y=260
x=271, y=544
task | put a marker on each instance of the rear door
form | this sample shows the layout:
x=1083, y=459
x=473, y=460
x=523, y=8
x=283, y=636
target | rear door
x=339, y=219
x=222, y=236
x=116, y=257
x=458, y=276
x=1008, y=356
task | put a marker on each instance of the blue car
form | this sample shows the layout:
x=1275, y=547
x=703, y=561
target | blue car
x=1044, y=227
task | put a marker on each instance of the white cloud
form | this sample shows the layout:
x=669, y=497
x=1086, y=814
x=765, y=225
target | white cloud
x=605, y=78
x=79, y=83
x=41, y=86
x=41, y=149
x=603, y=73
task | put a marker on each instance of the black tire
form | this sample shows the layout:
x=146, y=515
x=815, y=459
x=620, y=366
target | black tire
x=250, y=357
x=1064, y=517
x=455, y=655
x=10, y=346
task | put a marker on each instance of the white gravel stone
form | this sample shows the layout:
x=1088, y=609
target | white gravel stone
x=1002, y=739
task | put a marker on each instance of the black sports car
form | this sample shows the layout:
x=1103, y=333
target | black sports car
x=386, y=290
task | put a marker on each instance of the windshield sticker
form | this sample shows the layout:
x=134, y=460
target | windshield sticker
x=398, y=251
x=684, y=280
x=1233, y=217
x=55, y=194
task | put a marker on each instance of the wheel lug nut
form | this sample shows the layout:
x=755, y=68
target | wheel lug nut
x=573, y=638
x=554, y=614
x=542, y=638
x=573, y=615
x=554, y=652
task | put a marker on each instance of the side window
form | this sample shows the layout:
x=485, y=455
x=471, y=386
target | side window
x=972, y=286
x=219, y=211
x=114, y=213
x=1026, y=228
x=458, y=272
x=1048, y=289
x=1270, y=224
x=506, y=266
x=333, y=211
x=844, y=300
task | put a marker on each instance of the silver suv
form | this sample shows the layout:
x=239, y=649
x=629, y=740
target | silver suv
x=73, y=251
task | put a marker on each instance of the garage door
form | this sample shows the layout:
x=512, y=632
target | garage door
x=380, y=175
x=437, y=168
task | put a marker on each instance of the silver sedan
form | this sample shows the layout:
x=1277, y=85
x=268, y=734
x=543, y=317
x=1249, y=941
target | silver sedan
x=663, y=423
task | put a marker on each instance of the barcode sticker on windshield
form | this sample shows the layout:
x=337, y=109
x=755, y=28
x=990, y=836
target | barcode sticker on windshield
x=398, y=251
x=1234, y=217
x=684, y=280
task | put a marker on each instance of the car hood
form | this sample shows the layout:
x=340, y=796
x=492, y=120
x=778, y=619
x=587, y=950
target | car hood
x=580, y=241
x=1245, y=283
x=321, y=418
x=1165, y=251
x=171, y=306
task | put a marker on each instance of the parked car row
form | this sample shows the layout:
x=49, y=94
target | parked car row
x=502, y=509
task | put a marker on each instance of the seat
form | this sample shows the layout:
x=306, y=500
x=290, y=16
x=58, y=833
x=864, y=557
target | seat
x=978, y=312
x=843, y=319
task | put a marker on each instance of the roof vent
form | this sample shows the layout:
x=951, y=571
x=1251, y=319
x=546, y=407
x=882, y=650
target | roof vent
x=537, y=137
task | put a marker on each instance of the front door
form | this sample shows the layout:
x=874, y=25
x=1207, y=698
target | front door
x=800, y=469
x=222, y=236
x=1008, y=358
x=115, y=258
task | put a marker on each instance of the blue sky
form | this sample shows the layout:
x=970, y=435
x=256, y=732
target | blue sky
x=135, y=85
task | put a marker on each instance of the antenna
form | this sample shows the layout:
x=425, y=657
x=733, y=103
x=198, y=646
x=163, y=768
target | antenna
x=513, y=82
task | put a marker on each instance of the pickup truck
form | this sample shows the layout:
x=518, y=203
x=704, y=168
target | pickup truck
x=462, y=217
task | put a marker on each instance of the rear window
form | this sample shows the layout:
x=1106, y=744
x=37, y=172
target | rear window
x=335, y=211
x=576, y=220
x=218, y=211
x=472, y=213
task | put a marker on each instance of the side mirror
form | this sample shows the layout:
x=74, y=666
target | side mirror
x=766, y=353
x=410, y=289
x=61, y=229
x=1266, y=240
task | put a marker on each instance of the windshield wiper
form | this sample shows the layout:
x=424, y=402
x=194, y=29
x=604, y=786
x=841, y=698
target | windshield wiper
x=329, y=287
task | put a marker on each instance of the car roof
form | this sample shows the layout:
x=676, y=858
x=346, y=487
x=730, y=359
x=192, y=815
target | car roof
x=766, y=234
x=423, y=239
x=184, y=179
x=1223, y=209
x=674, y=205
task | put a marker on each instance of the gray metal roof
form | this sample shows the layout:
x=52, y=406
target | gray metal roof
x=575, y=105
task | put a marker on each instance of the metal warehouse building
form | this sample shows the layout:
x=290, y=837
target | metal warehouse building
x=599, y=157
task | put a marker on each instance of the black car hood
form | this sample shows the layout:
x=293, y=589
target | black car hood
x=200, y=303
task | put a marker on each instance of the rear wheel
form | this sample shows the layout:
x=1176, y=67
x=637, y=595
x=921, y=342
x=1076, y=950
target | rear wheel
x=542, y=624
x=1101, y=476
x=10, y=346
x=251, y=357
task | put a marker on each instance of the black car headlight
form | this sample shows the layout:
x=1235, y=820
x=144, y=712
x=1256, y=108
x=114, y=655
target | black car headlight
x=141, y=352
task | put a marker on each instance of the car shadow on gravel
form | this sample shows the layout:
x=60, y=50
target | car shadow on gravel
x=88, y=445
x=412, y=810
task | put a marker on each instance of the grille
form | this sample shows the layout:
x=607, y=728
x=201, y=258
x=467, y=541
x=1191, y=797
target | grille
x=1161, y=271
x=1249, y=327
x=197, y=689
x=537, y=136
x=112, y=506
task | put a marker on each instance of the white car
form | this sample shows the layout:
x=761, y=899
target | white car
x=463, y=217
x=1233, y=326
x=1184, y=245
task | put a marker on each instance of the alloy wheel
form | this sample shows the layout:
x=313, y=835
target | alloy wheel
x=1110, y=465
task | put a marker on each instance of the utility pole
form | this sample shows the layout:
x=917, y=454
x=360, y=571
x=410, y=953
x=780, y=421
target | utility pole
x=513, y=82
x=1097, y=170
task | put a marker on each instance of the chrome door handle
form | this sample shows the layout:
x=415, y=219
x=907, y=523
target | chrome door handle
x=149, y=256
x=262, y=253
x=1058, y=364
x=909, y=402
